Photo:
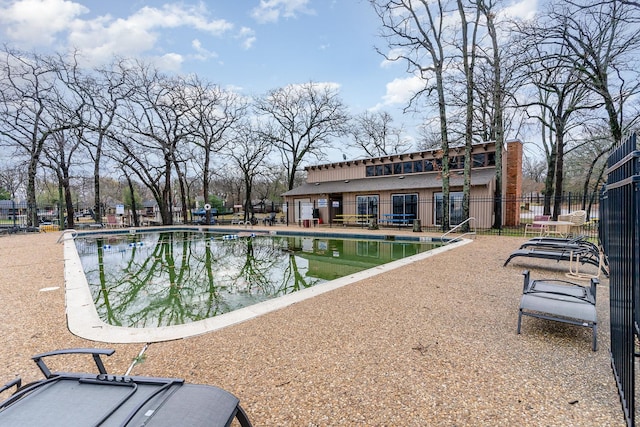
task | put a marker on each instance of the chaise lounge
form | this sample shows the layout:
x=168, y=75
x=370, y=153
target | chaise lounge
x=560, y=301
x=83, y=399
x=573, y=251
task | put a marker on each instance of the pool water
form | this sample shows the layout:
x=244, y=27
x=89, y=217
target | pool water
x=172, y=278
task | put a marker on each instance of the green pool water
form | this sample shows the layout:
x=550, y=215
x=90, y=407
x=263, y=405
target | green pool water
x=171, y=278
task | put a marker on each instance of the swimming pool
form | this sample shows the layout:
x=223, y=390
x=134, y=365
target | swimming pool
x=116, y=283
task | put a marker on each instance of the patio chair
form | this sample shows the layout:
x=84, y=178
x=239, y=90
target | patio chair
x=271, y=219
x=112, y=221
x=560, y=301
x=578, y=218
x=539, y=229
x=82, y=399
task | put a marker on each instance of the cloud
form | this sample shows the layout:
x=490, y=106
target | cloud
x=400, y=91
x=525, y=9
x=49, y=22
x=36, y=22
x=202, y=53
x=247, y=35
x=272, y=10
x=169, y=62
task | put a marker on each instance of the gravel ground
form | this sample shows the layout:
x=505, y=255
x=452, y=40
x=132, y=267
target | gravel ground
x=433, y=343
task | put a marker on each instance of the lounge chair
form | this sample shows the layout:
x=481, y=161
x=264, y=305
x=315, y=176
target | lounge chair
x=560, y=301
x=574, y=253
x=552, y=243
x=65, y=399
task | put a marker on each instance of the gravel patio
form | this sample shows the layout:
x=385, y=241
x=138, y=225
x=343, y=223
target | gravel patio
x=433, y=343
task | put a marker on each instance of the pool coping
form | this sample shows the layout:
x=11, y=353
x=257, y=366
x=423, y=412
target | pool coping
x=83, y=319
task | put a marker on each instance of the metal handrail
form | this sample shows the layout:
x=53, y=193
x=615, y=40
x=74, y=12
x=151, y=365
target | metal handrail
x=73, y=232
x=468, y=220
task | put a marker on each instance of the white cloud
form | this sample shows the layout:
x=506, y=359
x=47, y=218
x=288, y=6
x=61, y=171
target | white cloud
x=272, y=10
x=400, y=91
x=525, y=9
x=47, y=22
x=202, y=53
x=179, y=15
x=169, y=62
x=248, y=37
x=34, y=22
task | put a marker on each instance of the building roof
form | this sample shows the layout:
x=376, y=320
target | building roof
x=391, y=183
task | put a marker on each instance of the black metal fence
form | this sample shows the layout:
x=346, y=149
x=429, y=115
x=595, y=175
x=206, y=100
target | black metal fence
x=522, y=211
x=620, y=235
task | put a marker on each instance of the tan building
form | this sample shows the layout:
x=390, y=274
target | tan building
x=395, y=190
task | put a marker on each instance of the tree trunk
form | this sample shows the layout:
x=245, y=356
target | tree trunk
x=97, y=207
x=445, y=150
x=557, y=200
x=32, y=207
x=134, y=207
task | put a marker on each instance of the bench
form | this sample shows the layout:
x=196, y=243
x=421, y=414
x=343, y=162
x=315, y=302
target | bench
x=397, y=219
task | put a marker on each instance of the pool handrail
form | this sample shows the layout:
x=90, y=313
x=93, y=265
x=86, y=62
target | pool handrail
x=468, y=233
x=73, y=232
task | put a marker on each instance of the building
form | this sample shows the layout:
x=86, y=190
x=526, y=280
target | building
x=400, y=188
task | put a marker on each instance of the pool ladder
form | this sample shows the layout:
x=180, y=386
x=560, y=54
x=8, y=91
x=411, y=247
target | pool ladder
x=472, y=231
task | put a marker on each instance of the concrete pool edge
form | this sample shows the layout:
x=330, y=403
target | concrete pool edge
x=83, y=319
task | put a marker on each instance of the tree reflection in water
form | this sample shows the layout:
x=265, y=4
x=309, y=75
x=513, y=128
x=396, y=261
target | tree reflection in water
x=171, y=278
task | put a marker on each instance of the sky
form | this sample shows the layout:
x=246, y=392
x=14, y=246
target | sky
x=250, y=46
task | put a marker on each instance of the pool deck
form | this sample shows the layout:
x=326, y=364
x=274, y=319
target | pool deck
x=432, y=342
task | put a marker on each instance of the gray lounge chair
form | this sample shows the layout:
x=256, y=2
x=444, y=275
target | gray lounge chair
x=82, y=399
x=555, y=242
x=560, y=301
x=582, y=253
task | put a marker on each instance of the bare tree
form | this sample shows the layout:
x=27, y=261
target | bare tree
x=415, y=32
x=603, y=45
x=468, y=50
x=213, y=113
x=587, y=164
x=375, y=135
x=152, y=125
x=581, y=58
x=561, y=98
x=248, y=156
x=104, y=91
x=58, y=156
x=12, y=179
x=301, y=121
x=32, y=108
x=495, y=60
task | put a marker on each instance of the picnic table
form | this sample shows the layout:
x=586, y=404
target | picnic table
x=345, y=219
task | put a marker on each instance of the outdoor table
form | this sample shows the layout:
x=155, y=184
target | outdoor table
x=561, y=228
